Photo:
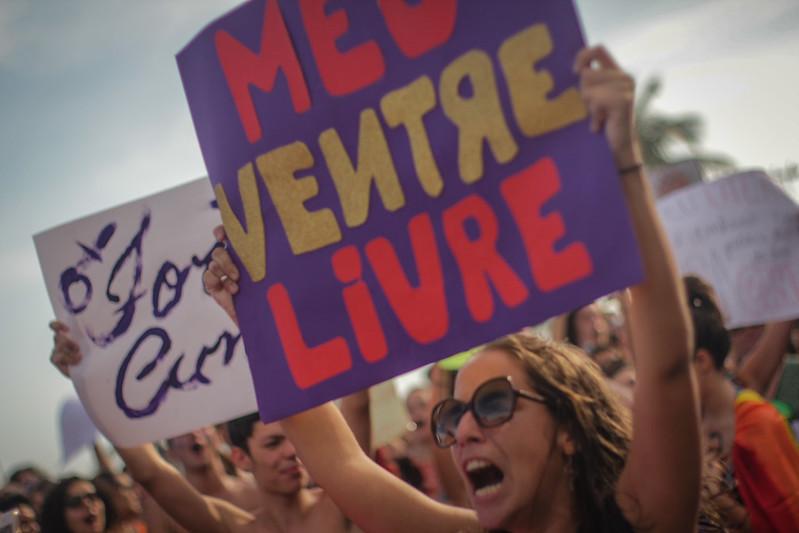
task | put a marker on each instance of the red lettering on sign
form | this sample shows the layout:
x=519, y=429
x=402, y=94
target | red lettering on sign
x=525, y=193
x=360, y=306
x=420, y=28
x=243, y=68
x=478, y=260
x=342, y=72
x=308, y=366
x=422, y=310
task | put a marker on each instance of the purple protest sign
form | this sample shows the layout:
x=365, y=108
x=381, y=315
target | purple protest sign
x=400, y=183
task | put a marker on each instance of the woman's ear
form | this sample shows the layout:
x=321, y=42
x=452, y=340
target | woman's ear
x=566, y=441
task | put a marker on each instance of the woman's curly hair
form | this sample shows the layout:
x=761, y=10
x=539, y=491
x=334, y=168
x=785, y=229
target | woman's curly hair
x=579, y=399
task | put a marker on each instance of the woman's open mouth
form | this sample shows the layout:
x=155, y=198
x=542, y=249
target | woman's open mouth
x=484, y=477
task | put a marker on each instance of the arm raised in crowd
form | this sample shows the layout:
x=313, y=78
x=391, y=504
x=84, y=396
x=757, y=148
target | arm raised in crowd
x=763, y=361
x=356, y=410
x=661, y=479
x=161, y=480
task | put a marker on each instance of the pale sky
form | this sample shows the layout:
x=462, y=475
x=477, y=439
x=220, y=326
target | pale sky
x=92, y=115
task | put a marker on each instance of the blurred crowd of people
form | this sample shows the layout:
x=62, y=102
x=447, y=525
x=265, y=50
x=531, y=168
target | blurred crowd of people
x=750, y=416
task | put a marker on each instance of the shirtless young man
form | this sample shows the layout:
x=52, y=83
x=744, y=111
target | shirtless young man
x=286, y=504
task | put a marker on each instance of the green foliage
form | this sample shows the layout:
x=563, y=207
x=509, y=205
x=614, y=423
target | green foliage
x=790, y=172
x=663, y=136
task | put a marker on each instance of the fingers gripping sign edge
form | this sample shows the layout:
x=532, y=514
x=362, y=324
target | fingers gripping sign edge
x=66, y=351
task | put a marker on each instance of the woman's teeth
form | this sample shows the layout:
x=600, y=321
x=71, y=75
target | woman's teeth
x=484, y=477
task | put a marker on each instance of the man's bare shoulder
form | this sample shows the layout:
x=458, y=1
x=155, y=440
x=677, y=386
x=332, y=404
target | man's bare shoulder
x=233, y=518
x=324, y=515
x=242, y=492
x=318, y=514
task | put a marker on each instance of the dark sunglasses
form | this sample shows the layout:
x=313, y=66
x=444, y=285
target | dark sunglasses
x=77, y=500
x=492, y=404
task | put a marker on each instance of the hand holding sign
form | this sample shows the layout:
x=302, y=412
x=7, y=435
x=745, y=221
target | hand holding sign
x=221, y=277
x=608, y=92
x=66, y=351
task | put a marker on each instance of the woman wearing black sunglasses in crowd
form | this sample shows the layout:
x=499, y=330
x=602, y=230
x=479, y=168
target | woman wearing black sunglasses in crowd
x=75, y=506
x=539, y=439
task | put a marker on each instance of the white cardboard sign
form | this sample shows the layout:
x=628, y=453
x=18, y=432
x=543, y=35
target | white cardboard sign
x=741, y=234
x=160, y=357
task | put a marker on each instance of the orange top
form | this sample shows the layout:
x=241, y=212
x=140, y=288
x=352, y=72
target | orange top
x=766, y=465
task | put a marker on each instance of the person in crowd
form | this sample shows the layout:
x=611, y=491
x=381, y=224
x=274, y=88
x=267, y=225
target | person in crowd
x=393, y=458
x=619, y=333
x=27, y=476
x=757, y=355
x=264, y=450
x=137, y=508
x=26, y=516
x=588, y=327
x=23, y=480
x=156, y=519
x=286, y=503
x=76, y=506
x=746, y=435
x=217, y=434
x=415, y=458
x=31, y=482
x=539, y=440
x=622, y=373
x=39, y=493
x=596, y=329
x=607, y=357
x=615, y=367
x=120, y=490
x=419, y=443
x=195, y=454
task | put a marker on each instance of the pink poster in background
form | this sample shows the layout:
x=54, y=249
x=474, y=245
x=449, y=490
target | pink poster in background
x=741, y=234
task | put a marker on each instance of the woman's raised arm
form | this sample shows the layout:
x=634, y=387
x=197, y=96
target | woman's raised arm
x=660, y=483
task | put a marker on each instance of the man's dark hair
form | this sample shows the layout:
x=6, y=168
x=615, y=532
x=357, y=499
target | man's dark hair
x=710, y=333
x=240, y=429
